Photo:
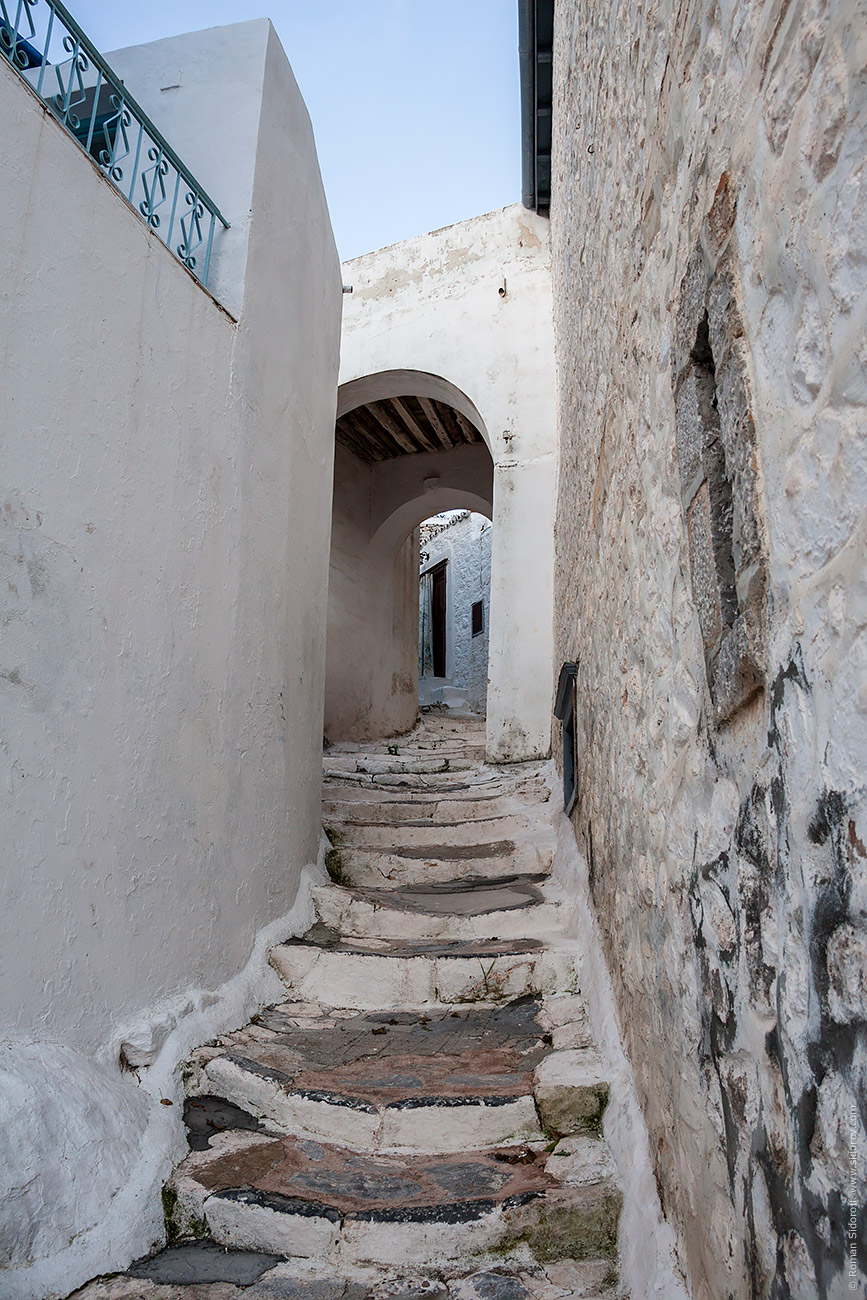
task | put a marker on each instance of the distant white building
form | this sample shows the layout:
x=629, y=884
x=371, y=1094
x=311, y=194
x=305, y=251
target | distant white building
x=454, y=601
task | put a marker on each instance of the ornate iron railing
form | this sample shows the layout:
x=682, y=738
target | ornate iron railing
x=42, y=40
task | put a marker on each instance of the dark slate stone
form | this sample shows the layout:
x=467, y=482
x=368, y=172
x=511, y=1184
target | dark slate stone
x=205, y=1116
x=451, y=1212
x=322, y=936
x=362, y=1184
x=416, y=1103
x=496, y=1286
x=471, y=1178
x=424, y=1290
x=204, y=1261
x=279, y=1204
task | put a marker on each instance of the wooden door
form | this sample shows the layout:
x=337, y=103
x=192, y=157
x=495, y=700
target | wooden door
x=438, y=620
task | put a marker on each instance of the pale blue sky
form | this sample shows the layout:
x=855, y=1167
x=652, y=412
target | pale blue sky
x=415, y=103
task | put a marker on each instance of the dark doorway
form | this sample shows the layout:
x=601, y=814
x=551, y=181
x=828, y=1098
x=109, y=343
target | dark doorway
x=438, y=619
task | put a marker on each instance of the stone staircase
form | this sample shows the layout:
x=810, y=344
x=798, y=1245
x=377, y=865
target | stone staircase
x=421, y=1116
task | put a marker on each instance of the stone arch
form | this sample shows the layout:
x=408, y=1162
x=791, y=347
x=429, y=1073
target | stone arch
x=410, y=444
x=406, y=518
x=384, y=384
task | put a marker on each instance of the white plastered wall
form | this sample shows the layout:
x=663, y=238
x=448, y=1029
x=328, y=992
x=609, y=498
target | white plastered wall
x=433, y=305
x=164, y=532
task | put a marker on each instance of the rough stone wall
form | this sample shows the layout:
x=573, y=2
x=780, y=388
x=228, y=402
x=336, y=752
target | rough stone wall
x=710, y=263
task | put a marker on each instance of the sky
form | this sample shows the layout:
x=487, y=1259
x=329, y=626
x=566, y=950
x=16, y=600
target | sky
x=415, y=103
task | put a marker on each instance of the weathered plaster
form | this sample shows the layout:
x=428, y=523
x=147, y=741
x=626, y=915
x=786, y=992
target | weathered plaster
x=725, y=844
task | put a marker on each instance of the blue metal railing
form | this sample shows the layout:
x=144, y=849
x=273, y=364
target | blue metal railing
x=51, y=52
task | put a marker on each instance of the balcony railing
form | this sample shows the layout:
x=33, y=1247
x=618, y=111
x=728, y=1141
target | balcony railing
x=42, y=40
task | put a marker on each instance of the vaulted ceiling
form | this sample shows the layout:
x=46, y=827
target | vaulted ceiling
x=402, y=426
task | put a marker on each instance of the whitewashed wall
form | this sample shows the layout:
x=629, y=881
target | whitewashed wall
x=166, y=471
x=433, y=305
x=713, y=144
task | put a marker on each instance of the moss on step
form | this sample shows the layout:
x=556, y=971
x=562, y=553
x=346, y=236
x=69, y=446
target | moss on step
x=334, y=858
x=576, y=1231
x=178, y=1223
x=335, y=868
x=568, y=1109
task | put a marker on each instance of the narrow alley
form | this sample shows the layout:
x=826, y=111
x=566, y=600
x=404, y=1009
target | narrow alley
x=314, y=983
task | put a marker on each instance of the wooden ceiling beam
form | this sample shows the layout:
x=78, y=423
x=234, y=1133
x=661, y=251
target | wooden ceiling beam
x=357, y=437
x=413, y=426
x=469, y=430
x=356, y=443
x=449, y=421
x=430, y=411
x=383, y=416
x=366, y=420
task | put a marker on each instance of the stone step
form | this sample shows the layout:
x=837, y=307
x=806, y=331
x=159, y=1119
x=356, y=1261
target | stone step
x=371, y=974
x=448, y=1081
x=470, y=742
x=462, y=786
x=418, y=832
x=422, y=1121
x=205, y=1270
x=353, y=864
x=475, y=908
x=395, y=751
x=451, y=1081
x=323, y=1202
x=440, y=765
x=360, y=803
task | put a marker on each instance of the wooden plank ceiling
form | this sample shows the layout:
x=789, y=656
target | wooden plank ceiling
x=402, y=426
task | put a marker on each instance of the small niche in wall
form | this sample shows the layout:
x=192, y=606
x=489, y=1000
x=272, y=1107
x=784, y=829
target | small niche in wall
x=718, y=461
x=566, y=709
x=478, y=617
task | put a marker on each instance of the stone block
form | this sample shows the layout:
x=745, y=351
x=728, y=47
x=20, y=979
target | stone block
x=571, y=1092
x=691, y=309
x=695, y=414
x=705, y=586
x=737, y=430
x=737, y=675
x=586, y=1228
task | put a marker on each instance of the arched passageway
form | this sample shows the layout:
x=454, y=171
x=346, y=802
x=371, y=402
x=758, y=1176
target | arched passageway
x=401, y=456
x=454, y=324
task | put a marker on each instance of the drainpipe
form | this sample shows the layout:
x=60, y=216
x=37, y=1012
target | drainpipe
x=527, y=60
